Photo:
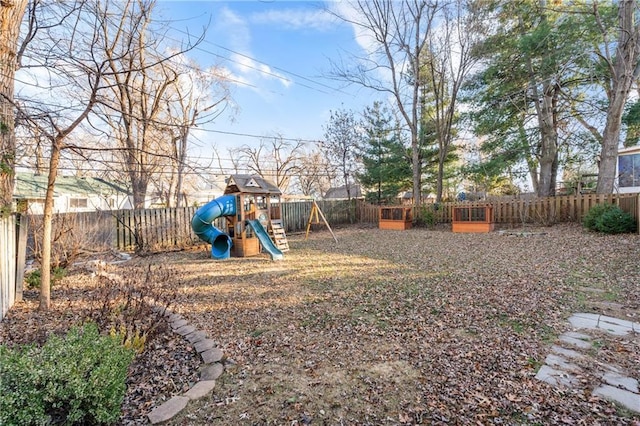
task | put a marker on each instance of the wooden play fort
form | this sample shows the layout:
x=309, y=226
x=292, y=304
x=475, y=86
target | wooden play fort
x=473, y=219
x=398, y=217
x=256, y=199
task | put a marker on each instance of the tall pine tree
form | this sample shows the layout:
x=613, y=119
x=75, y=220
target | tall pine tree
x=386, y=161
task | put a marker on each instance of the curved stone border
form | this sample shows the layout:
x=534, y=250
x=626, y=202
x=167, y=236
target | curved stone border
x=211, y=356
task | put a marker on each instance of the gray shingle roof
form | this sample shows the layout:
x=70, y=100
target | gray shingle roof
x=31, y=186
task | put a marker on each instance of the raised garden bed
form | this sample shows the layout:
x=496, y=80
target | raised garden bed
x=473, y=219
x=398, y=218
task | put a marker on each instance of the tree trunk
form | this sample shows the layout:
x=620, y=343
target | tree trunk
x=45, y=267
x=549, y=143
x=440, y=178
x=416, y=164
x=624, y=71
x=11, y=12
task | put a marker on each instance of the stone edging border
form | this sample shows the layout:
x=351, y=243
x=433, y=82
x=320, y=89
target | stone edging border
x=211, y=356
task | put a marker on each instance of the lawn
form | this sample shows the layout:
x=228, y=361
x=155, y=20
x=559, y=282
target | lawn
x=393, y=327
x=419, y=326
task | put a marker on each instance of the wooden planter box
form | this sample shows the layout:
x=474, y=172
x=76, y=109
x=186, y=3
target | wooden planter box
x=473, y=219
x=398, y=218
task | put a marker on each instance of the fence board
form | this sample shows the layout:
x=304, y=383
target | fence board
x=7, y=263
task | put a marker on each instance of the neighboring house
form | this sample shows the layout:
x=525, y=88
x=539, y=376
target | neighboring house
x=71, y=194
x=406, y=198
x=629, y=170
x=214, y=188
x=340, y=192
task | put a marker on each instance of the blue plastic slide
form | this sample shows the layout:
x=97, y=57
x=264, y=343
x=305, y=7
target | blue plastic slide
x=201, y=223
x=265, y=240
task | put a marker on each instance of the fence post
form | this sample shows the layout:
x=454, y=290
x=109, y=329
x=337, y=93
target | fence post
x=21, y=252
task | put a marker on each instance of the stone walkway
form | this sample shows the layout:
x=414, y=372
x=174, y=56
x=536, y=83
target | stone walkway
x=212, y=358
x=560, y=367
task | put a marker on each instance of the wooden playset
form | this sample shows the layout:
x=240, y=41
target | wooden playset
x=257, y=199
x=473, y=219
x=395, y=217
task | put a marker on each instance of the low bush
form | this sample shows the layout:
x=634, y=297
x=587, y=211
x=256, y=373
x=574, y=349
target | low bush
x=615, y=221
x=76, y=379
x=426, y=216
x=34, y=278
x=609, y=219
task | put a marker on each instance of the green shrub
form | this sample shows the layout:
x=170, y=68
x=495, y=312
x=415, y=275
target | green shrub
x=615, y=221
x=608, y=218
x=76, y=379
x=34, y=278
x=426, y=216
x=594, y=213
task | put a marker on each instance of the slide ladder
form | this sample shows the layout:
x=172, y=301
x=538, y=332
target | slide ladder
x=278, y=235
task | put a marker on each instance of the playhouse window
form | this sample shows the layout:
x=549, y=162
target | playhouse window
x=261, y=202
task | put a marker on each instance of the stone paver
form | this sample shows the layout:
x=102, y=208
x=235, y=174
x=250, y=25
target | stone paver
x=567, y=353
x=212, y=355
x=204, y=345
x=179, y=323
x=200, y=389
x=212, y=371
x=185, y=329
x=612, y=325
x=168, y=410
x=559, y=370
x=196, y=336
x=629, y=400
x=556, y=377
x=584, y=320
x=615, y=379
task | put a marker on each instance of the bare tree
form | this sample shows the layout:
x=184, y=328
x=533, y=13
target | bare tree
x=398, y=35
x=141, y=79
x=342, y=141
x=623, y=66
x=197, y=97
x=77, y=55
x=11, y=13
x=275, y=158
x=447, y=64
x=81, y=72
x=315, y=175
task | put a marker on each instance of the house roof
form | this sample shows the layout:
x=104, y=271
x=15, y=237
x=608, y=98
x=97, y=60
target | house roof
x=340, y=192
x=32, y=186
x=252, y=184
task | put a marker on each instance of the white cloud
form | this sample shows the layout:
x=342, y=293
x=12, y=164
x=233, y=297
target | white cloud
x=242, y=69
x=296, y=19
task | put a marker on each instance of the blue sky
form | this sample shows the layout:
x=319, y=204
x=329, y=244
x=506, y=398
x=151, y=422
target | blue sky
x=280, y=53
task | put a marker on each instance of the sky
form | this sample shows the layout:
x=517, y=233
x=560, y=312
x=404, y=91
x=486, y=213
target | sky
x=277, y=54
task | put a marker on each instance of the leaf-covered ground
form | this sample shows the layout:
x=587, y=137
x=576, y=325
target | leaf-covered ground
x=385, y=327
x=410, y=327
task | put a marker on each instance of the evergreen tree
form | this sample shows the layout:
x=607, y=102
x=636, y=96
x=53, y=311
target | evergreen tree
x=386, y=161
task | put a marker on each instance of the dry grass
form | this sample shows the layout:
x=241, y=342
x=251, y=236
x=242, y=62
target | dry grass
x=404, y=327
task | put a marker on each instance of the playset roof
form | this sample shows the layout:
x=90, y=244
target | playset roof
x=251, y=184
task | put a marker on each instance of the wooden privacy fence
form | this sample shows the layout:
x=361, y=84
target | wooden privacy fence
x=13, y=236
x=547, y=210
x=170, y=228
